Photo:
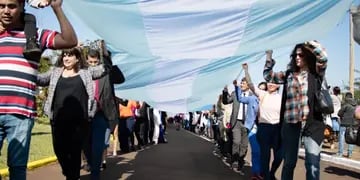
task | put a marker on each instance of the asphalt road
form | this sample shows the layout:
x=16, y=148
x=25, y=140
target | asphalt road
x=186, y=156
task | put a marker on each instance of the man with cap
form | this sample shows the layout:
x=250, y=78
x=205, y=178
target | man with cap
x=18, y=79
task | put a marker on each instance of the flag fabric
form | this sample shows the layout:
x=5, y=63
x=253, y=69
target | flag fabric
x=177, y=55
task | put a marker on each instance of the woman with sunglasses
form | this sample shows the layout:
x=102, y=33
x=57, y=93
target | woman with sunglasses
x=301, y=80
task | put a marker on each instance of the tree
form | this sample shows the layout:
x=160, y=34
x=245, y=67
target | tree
x=356, y=87
x=44, y=65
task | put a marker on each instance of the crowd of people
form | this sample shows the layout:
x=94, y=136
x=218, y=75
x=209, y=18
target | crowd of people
x=268, y=121
x=84, y=111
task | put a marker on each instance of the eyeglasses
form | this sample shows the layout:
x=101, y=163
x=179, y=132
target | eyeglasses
x=298, y=54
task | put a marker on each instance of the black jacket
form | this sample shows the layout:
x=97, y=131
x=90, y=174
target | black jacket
x=106, y=91
x=346, y=112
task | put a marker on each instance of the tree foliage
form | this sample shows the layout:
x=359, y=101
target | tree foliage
x=44, y=65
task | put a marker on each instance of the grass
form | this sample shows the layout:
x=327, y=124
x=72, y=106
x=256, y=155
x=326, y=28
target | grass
x=41, y=145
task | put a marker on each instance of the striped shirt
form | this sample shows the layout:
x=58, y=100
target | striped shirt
x=17, y=74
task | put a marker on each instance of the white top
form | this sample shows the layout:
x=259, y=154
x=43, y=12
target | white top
x=269, y=106
x=195, y=118
x=240, y=113
x=337, y=105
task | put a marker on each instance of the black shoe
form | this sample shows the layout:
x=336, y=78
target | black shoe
x=103, y=166
x=32, y=50
x=132, y=148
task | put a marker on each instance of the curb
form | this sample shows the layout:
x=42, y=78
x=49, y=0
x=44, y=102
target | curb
x=324, y=157
x=32, y=165
x=336, y=160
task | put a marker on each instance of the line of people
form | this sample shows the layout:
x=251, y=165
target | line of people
x=265, y=119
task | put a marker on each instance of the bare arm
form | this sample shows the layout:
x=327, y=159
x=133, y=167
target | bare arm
x=248, y=78
x=67, y=38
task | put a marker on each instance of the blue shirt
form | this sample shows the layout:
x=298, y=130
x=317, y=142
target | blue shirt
x=252, y=107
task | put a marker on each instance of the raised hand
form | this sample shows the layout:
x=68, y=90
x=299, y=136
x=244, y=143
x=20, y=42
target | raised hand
x=235, y=82
x=245, y=66
x=269, y=54
x=44, y=3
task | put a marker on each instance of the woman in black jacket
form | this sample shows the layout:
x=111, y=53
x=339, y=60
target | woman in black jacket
x=346, y=114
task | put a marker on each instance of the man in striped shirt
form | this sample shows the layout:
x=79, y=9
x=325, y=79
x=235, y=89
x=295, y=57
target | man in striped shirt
x=18, y=79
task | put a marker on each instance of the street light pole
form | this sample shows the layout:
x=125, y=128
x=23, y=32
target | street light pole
x=351, y=56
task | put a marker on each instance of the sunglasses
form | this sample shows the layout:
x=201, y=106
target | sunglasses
x=298, y=54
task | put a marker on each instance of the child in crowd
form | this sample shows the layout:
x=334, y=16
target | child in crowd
x=32, y=50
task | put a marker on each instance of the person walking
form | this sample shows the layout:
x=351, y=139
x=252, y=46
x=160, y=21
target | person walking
x=301, y=80
x=107, y=111
x=252, y=103
x=269, y=128
x=346, y=114
x=18, y=78
x=239, y=134
x=70, y=105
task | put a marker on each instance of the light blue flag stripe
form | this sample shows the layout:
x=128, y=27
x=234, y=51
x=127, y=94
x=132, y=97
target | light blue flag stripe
x=120, y=23
x=278, y=23
x=178, y=54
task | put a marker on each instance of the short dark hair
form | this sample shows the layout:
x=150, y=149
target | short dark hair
x=243, y=79
x=348, y=95
x=336, y=90
x=94, y=53
x=263, y=83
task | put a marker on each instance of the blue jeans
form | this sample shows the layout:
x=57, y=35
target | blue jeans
x=290, y=135
x=267, y=143
x=312, y=158
x=255, y=151
x=335, y=124
x=17, y=130
x=99, y=136
x=342, y=141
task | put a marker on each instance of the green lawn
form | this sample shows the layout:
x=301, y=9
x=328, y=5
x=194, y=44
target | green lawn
x=41, y=145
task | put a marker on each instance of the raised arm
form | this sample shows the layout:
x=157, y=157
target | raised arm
x=67, y=38
x=321, y=56
x=248, y=78
x=269, y=74
x=245, y=100
x=116, y=76
x=226, y=97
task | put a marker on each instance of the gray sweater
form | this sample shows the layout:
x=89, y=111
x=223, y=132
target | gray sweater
x=51, y=78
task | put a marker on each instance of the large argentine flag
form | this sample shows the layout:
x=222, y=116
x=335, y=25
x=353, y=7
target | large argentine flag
x=178, y=54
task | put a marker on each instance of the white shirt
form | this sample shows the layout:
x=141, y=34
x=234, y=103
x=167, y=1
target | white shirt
x=269, y=106
x=240, y=114
x=337, y=105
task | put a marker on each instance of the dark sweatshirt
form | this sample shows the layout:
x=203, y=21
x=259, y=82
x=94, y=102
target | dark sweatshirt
x=346, y=112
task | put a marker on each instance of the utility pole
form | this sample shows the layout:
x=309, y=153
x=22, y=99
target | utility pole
x=353, y=9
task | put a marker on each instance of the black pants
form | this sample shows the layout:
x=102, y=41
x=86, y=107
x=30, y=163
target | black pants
x=68, y=141
x=139, y=126
x=146, y=131
x=125, y=135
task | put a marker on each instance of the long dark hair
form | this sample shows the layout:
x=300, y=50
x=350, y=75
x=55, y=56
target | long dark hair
x=309, y=58
x=73, y=51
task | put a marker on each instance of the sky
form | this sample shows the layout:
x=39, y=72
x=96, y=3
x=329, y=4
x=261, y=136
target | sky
x=336, y=43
